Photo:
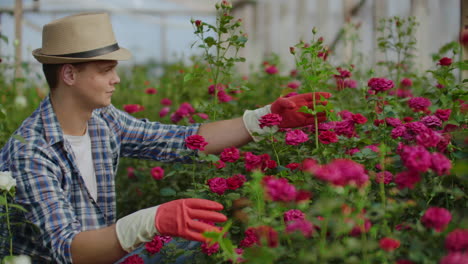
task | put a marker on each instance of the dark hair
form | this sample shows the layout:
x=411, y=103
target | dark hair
x=51, y=72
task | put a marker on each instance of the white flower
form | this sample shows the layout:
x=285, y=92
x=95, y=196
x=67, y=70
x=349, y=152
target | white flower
x=6, y=181
x=21, y=101
x=21, y=259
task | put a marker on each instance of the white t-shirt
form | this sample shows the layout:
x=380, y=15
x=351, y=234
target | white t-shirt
x=81, y=146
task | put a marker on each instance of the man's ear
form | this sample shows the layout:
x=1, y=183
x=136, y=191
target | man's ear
x=67, y=74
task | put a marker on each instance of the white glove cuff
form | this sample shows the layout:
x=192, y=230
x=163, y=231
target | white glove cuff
x=251, y=121
x=136, y=228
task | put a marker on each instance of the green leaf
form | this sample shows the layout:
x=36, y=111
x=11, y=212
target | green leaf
x=233, y=196
x=3, y=201
x=210, y=41
x=462, y=65
x=19, y=207
x=211, y=157
x=4, y=38
x=20, y=138
x=305, y=109
x=187, y=77
x=167, y=191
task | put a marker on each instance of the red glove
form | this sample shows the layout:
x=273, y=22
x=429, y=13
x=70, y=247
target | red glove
x=288, y=108
x=177, y=218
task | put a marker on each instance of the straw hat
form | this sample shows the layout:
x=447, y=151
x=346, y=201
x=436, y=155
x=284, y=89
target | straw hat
x=79, y=38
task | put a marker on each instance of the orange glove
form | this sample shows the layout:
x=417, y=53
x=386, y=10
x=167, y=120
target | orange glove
x=288, y=108
x=177, y=218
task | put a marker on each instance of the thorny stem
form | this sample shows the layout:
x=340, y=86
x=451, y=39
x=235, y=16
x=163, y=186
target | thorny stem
x=10, y=236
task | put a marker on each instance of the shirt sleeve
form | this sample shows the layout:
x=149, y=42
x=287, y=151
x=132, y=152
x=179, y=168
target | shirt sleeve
x=39, y=191
x=151, y=140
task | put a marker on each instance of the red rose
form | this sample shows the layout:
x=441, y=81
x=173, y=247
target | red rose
x=133, y=108
x=151, y=90
x=133, y=259
x=445, y=61
x=154, y=246
x=389, y=244
x=269, y=120
x=230, y=154
x=327, y=137
x=437, y=218
x=157, y=173
x=218, y=185
x=196, y=142
x=236, y=181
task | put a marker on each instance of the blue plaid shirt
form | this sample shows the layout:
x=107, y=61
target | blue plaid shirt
x=49, y=184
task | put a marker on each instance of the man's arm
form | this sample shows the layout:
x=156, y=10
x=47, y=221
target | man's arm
x=240, y=131
x=97, y=246
x=224, y=134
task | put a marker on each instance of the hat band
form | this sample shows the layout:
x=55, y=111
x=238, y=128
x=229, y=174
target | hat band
x=91, y=53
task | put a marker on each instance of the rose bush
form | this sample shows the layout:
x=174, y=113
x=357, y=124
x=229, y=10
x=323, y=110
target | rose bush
x=383, y=180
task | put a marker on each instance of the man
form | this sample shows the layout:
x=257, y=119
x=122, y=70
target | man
x=66, y=166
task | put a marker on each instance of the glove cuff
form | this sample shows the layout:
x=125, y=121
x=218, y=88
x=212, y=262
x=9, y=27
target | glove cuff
x=136, y=228
x=251, y=121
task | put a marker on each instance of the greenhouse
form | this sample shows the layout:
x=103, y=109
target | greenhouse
x=234, y=131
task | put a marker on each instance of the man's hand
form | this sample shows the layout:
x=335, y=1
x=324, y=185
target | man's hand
x=179, y=218
x=176, y=218
x=288, y=108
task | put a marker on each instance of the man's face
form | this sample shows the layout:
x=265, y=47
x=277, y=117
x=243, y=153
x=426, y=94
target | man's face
x=95, y=83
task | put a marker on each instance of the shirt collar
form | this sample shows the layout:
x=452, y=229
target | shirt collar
x=52, y=130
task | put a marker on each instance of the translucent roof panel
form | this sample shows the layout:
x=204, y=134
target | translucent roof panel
x=156, y=30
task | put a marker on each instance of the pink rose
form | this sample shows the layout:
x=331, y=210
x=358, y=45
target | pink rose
x=209, y=249
x=419, y=103
x=133, y=259
x=218, y=185
x=293, y=214
x=150, y=90
x=385, y=176
x=455, y=258
x=154, y=246
x=157, y=173
x=436, y=218
x=389, y=244
x=133, y=108
x=279, y=189
x=407, y=179
x=236, y=181
x=440, y=164
x=457, y=240
x=443, y=114
x=271, y=69
x=269, y=120
x=327, y=137
x=406, y=82
x=294, y=84
x=380, y=84
x=196, y=142
x=231, y=154
x=164, y=111
x=166, y=101
x=296, y=137
x=131, y=173
x=445, y=61
x=359, y=119
x=301, y=225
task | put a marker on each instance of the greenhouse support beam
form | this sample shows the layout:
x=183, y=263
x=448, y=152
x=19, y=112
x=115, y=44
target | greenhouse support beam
x=18, y=13
x=464, y=25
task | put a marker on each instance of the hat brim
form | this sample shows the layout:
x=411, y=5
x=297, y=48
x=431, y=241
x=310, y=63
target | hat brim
x=120, y=54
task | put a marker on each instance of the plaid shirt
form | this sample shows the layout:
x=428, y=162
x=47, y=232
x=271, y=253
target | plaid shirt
x=49, y=184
